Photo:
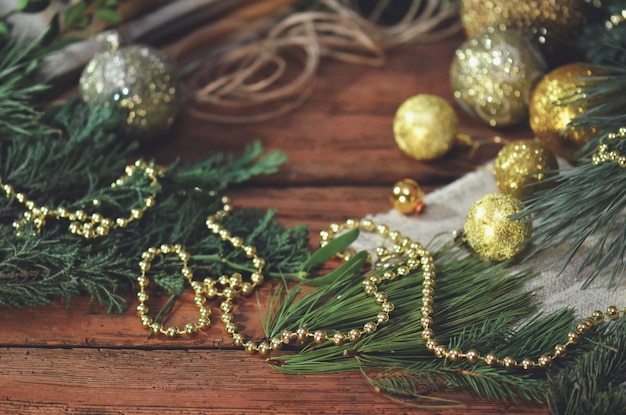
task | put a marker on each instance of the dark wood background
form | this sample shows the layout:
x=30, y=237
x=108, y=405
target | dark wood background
x=342, y=163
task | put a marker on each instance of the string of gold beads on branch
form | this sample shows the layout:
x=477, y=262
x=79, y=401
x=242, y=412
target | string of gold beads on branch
x=81, y=223
x=604, y=155
x=228, y=287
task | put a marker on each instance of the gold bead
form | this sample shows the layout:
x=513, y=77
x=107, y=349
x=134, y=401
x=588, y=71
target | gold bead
x=142, y=296
x=508, y=362
x=454, y=354
x=250, y=347
x=339, y=338
x=288, y=337
x=387, y=307
x=582, y=327
x=203, y=322
x=191, y=328
x=146, y=321
x=382, y=318
x=440, y=351
x=256, y=278
x=238, y=339
x=527, y=364
x=431, y=344
x=226, y=317
x=319, y=337
x=559, y=350
x=427, y=334
x=247, y=288
x=573, y=337
x=264, y=348
x=612, y=312
x=204, y=312
x=367, y=225
x=142, y=309
x=198, y=300
x=380, y=297
x=276, y=343
x=229, y=293
x=426, y=321
x=544, y=361
x=491, y=359
x=369, y=327
x=597, y=315
x=354, y=335
x=302, y=334
x=230, y=327
x=143, y=281
x=426, y=310
x=472, y=356
x=156, y=328
x=407, y=197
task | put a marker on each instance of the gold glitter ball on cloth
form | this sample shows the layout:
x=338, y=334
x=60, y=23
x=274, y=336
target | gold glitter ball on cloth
x=557, y=99
x=491, y=233
x=493, y=75
x=522, y=166
x=407, y=197
x=425, y=127
x=137, y=79
x=549, y=23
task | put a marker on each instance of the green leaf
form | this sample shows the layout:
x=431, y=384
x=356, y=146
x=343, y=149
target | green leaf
x=4, y=29
x=352, y=266
x=74, y=13
x=21, y=5
x=331, y=249
x=108, y=15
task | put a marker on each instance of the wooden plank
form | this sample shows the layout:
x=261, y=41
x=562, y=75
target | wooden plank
x=112, y=381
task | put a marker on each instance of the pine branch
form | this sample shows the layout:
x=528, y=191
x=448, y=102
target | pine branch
x=588, y=202
x=477, y=305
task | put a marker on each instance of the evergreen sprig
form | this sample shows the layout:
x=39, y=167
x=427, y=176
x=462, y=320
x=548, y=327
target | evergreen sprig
x=74, y=164
x=477, y=305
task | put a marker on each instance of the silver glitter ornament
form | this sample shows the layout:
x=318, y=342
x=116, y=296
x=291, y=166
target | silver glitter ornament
x=493, y=75
x=137, y=79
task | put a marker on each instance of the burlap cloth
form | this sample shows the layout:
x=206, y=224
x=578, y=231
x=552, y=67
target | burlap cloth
x=445, y=212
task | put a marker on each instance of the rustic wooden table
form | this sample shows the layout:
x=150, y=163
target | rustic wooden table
x=342, y=163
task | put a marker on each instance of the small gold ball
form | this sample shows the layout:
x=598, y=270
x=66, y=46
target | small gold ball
x=249, y=347
x=427, y=334
x=508, y=362
x=264, y=348
x=612, y=312
x=191, y=328
x=288, y=337
x=527, y=364
x=425, y=127
x=491, y=359
x=354, y=335
x=544, y=361
x=556, y=100
x=440, y=351
x=276, y=343
x=472, y=356
x=489, y=230
x=407, y=197
x=559, y=350
x=582, y=327
x=238, y=339
x=301, y=334
x=369, y=327
x=339, y=338
x=573, y=337
x=454, y=354
x=597, y=315
x=522, y=167
x=172, y=331
x=319, y=337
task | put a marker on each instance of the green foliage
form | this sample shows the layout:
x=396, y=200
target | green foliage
x=597, y=32
x=74, y=163
x=477, y=305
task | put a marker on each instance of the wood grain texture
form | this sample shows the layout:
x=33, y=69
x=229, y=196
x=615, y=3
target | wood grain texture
x=342, y=161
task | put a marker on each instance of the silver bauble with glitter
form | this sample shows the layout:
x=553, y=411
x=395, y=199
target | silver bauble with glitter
x=137, y=79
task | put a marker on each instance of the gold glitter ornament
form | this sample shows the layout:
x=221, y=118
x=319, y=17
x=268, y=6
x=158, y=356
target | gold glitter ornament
x=557, y=99
x=425, y=127
x=137, y=79
x=548, y=22
x=490, y=232
x=493, y=74
x=407, y=197
x=521, y=167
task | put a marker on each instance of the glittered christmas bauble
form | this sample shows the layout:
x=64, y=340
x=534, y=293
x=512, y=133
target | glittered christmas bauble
x=521, y=168
x=137, y=79
x=548, y=22
x=558, y=99
x=425, y=127
x=493, y=74
x=407, y=196
x=489, y=230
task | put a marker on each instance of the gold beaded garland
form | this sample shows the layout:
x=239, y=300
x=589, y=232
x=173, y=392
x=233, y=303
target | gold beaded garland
x=87, y=225
x=521, y=167
x=604, y=155
x=557, y=99
x=489, y=230
x=493, y=74
x=425, y=127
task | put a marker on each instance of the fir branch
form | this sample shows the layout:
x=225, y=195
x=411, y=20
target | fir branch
x=75, y=166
